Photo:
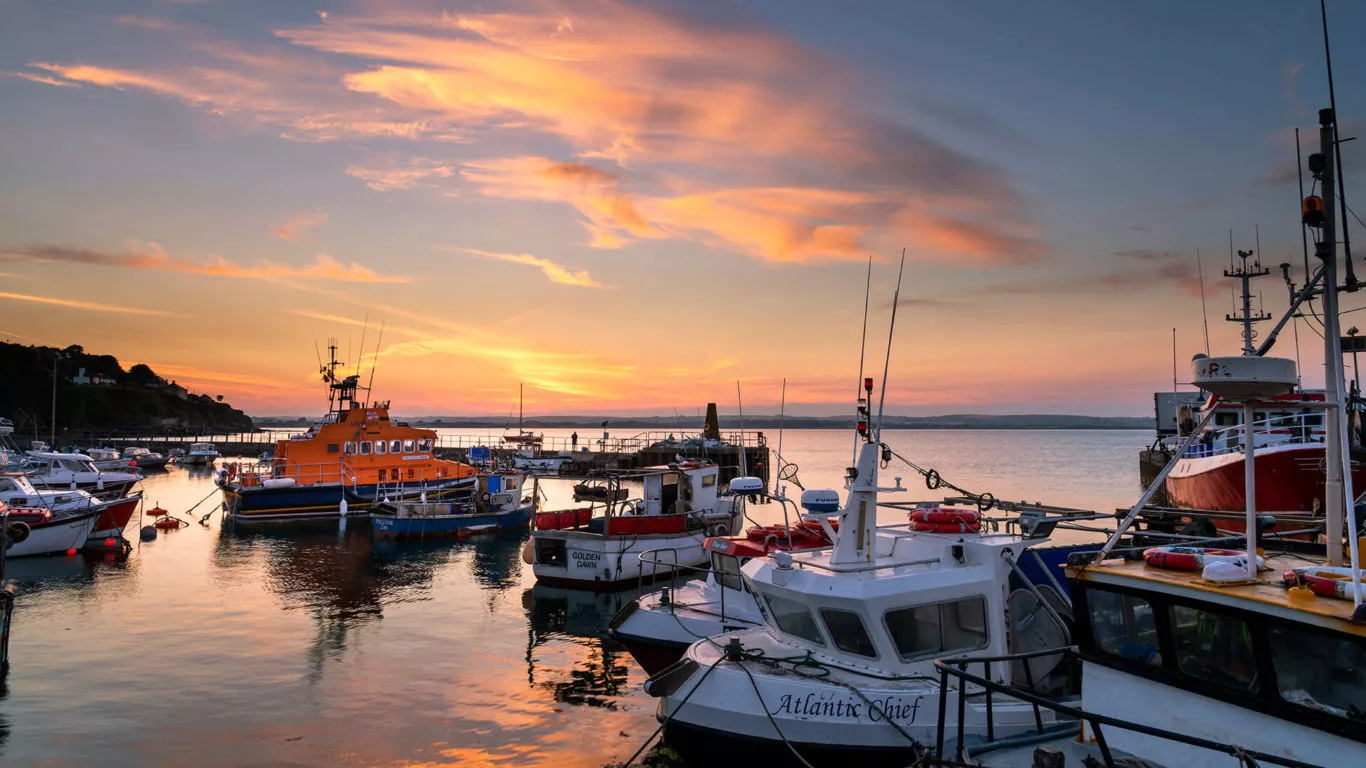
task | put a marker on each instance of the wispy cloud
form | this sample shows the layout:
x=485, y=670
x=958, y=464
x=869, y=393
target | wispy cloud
x=418, y=171
x=294, y=228
x=85, y=305
x=556, y=273
x=152, y=256
x=1163, y=270
x=716, y=130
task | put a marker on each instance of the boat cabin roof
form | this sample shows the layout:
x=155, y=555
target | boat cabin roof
x=53, y=456
x=1265, y=596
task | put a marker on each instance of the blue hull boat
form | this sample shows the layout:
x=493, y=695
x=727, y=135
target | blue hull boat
x=386, y=520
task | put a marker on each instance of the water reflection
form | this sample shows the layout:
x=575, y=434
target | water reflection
x=343, y=580
x=599, y=676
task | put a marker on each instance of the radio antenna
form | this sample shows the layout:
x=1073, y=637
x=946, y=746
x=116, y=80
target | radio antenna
x=375, y=360
x=886, y=365
x=1204, y=312
x=363, y=327
x=863, y=346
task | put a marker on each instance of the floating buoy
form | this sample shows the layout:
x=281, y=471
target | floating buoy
x=148, y=533
x=167, y=524
x=110, y=542
x=71, y=552
x=157, y=512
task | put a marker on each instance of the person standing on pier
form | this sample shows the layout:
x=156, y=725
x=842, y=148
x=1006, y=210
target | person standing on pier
x=574, y=441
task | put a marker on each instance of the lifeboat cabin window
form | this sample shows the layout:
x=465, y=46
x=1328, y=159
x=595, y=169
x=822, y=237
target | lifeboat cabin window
x=847, y=632
x=959, y=625
x=396, y=446
x=1124, y=626
x=424, y=445
x=381, y=447
x=365, y=448
x=1319, y=672
x=1226, y=419
x=409, y=446
x=793, y=618
x=349, y=449
x=1214, y=648
x=334, y=448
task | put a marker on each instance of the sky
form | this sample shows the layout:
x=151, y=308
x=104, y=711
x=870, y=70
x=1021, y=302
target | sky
x=629, y=207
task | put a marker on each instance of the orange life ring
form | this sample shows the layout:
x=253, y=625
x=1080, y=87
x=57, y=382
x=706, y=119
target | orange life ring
x=974, y=526
x=942, y=515
x=1191, y=558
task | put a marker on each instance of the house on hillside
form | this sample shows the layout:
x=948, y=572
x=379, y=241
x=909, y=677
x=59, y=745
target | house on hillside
x=177, y=390
x=98, y=380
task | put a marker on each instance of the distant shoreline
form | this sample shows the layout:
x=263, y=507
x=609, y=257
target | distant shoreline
x=731, y=424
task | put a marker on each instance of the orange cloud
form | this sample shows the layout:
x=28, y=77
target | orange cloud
x=152, y=256
x=86, y=305
x=294, y=228
x=722, y=133
x=556, y=273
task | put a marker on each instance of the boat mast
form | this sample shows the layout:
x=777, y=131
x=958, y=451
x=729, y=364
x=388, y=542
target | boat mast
x=1246, y=318
x=1337, y=488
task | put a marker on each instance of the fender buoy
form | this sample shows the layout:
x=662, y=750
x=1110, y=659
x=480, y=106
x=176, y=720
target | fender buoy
x=1323, y=581
x=721, y=529
x=167, y=524
x=933, y=480
x=1179, y=558
x=157, y=512
x=486, y=497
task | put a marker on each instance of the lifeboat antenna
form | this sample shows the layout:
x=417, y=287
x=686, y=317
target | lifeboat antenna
x=365, y=324
x=896, y=299
x=375, y=360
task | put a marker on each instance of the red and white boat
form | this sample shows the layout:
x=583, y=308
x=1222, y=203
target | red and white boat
x=1288, y=445
x=114, y=514
x=602, y=547
x=49, y=533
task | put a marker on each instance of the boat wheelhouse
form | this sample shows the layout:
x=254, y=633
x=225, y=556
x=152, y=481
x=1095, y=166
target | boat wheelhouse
x=356, y=456
x=602, y=546
x=494, y=502
x=200, y=455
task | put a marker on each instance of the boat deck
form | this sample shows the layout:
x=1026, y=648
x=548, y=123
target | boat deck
x=1266, y=591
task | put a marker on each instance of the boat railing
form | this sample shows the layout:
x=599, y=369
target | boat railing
x=955, y=677
x=676, y=573
x=1280, y=429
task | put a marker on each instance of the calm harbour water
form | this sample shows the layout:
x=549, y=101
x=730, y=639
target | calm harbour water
x=209, y=647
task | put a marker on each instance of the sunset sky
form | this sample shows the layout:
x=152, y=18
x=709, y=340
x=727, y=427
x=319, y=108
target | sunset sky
x=630, y=205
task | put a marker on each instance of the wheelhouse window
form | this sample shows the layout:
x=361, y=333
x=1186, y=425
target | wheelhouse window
x=793, y=618
x=333, y=448
x=1123, y=626
x=958, y=625
x=381, y=447
x=1213, y=647
x=424, y=445
x=1323, y=673
x=365, y=448
x=396, y=446
x=727, y=570
x=75, y=466
x=409, y=446
x=847, y=632
x=349, y=449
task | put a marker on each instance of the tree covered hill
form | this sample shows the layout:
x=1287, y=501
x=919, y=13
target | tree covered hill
x=94, y=392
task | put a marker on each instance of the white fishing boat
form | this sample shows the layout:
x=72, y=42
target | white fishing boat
x=600, y=546
x=843, y=663
x=49, y=533
x=200, y=455
x=65, y=471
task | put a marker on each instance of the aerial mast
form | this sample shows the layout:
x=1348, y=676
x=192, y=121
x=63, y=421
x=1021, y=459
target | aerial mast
x=1246, y=318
